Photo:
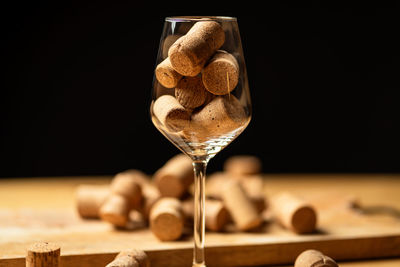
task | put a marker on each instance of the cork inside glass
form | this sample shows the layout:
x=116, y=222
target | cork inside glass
x=198, y=18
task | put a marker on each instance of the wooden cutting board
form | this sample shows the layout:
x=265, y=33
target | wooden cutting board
x=344, y=233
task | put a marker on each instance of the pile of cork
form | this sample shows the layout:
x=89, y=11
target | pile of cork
x=235, y=200
x=202, y=77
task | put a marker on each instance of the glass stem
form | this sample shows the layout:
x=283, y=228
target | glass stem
x=199, y=168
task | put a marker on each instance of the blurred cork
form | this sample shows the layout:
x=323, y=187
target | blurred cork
x=243, y=165
x=115, y=210
x=150, y=193
x=150, y=196
x=127, y=185
x=89, y=198
x=294, y=213
x=167, y=219
x=253, y=187
x=175, y=177
x=216, y=214
x=240, y=207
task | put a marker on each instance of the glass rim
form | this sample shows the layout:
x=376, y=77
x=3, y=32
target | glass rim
x=199, y=18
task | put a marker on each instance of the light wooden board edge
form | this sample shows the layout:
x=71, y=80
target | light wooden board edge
x=247, y=255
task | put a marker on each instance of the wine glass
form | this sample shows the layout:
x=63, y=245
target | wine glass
x=201, y=98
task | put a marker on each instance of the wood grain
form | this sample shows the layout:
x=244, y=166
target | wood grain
x=43, y=210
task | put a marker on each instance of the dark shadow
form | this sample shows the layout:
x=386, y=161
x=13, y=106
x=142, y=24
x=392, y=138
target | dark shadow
x=318, y=231
x=377, y=210
x=132, y=226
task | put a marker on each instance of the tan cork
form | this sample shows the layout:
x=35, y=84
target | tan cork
x=243, y=165
x=137, y=175
x=221, y=116
x=167, y=219
x=175, y=177
x=139, y=255
x=253, y=187
x=170, y=113
x=168, y=41
x=43, y=254
x=221, y=74
x=150, y=192
x=166, y=75
x=115, y=210
x=89, y=198
x=216, y=214
x=294, y=213
x=130, y=258
x=215, y=182
x=190, y=92
x=126, y=185
x=314, y=258
x=240, y=207
x=123, y=261
x=190, y=53
x=150, y=196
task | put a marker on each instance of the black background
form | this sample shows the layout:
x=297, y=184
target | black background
x=76, y=87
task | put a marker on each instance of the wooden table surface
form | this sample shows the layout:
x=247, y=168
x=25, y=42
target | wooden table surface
x=372, y=190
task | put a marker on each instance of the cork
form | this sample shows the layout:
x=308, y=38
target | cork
x=167, y=219
x=166, y=75
x=89, y=198
x=221, y=74
x=149, y=191
x=293, y=213
x=215, y=182
x=243, y=165
x=190, y=92
x=130, y=258
x=150, y=196
x=253, y=187
x=136, y=221
x=190, y=53
x=170, y=113
x=123, y=261
x=221, y=116
x=126, y=185
x=240, y=207
x=216, y=214
x=140, y=177
x=168, y=41
x=43, y=254
x=139, y=255
x=115, y=210
x=314, y=258
x=175, y=177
